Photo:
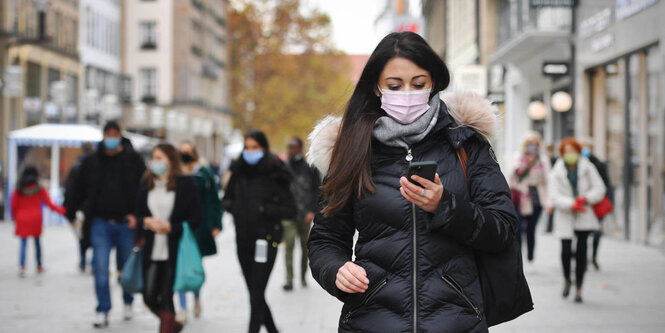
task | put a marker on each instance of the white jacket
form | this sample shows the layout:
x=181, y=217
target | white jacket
x=589, y=185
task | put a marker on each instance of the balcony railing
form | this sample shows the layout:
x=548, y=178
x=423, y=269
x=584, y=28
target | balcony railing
x=517, y=17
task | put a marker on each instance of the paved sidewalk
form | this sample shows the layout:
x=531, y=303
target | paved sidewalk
x=627, y=295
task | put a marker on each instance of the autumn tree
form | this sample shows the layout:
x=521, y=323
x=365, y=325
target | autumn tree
x=285, y=72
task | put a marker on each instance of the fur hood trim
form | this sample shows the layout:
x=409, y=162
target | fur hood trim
x=466, y=108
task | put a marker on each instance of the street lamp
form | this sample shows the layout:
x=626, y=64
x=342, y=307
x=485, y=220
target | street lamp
x=537, y=110
x=562, y=101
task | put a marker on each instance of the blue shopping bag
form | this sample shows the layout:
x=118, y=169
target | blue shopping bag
x=189, y=274
x=131, y=278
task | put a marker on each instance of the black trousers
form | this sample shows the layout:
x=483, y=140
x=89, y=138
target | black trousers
x=256, y=277
x=531, y=222
x=158, y=281
x=580, y=257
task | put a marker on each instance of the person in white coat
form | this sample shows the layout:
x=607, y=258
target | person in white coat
x=574, y=186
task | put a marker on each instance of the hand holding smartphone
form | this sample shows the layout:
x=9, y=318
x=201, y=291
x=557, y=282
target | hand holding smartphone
x=425, y=170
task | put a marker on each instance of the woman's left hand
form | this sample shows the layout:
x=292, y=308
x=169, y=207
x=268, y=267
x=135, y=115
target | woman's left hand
x=428, y=198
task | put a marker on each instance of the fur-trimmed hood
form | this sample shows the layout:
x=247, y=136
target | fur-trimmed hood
x=471, y=115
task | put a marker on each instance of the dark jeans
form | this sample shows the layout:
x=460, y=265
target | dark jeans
x=531, y=222
x=38, y=252
x=104, y=236
x=158, y=287
x=580, y=257
x=256, y=277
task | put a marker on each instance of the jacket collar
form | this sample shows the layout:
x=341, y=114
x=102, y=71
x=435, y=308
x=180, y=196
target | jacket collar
x=462, y=115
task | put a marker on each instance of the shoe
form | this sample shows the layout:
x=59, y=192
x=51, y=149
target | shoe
x=127, y=313
x=181, y=317
x=578, y=296
x=101, y=320
x=197, y=308
x=168, y=323
x=566, y=289
x=595, y=264
x=288, y=287
x=21, y=272
x=40, y=270
x=82, y=268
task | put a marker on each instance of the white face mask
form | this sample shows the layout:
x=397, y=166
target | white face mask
x=405, y=106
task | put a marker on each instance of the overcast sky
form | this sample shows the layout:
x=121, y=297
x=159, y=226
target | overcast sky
x=353, y=23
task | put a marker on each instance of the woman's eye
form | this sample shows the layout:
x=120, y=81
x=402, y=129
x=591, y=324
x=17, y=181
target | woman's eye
x=419, y=85
x=394, y=87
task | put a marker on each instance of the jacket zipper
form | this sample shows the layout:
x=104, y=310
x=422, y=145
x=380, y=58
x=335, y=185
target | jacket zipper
x=453, y=284
x=369, y=297
x=409, y=158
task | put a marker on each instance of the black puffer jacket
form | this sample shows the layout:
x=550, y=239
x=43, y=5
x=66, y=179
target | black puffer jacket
x=424, y=280
x=258, y=197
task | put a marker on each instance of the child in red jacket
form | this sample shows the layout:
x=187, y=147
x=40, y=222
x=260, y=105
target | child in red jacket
x=26, y=208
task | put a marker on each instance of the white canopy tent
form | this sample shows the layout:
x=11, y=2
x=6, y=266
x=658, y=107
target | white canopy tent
x=58, y=136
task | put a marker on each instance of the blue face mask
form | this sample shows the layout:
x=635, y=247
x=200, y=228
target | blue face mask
x=158, y=168
x=111, y=143
x=252, y=157
x=532, y=148
x=586, y=152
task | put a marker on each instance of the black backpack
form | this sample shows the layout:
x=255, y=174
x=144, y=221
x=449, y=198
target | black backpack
x=506, y=294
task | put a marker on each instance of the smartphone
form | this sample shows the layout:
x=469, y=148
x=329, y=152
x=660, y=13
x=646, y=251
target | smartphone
x=425, y=170
x=261, y=251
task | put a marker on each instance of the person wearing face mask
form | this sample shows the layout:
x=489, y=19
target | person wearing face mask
x=574, y=186
x=415, y=266
x=258, y=197
x=26, y=209
x=166, y=199
x=305, y=189
x=528, y=184
x=602, y=167
x=105, y=191
x=211, y=211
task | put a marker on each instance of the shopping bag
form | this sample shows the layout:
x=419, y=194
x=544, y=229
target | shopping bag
x=131, y=278
x=189, y=274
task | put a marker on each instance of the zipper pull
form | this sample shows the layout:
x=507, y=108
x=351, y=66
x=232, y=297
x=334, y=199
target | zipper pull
x=409, y=157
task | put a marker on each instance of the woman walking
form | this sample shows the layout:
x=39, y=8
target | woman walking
x=258, y=197
x=415, y=266
x=575, y=186
x=528, y=184
x=211, y=214
x=26, y=209
x=166, y=200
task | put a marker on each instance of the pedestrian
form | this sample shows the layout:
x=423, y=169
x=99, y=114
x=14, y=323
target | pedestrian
x=211, y=213
x=528, y=184
x=549, y=150
x=415, y=266
x=305, y=189
x=108, y=182
x=602, y=168
x=82, y=225
x=574, y=186
x=166, y=200
x=258, y=197
x=26, y=209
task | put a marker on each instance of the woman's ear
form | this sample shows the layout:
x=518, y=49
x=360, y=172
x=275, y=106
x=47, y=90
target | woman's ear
x=376, y=90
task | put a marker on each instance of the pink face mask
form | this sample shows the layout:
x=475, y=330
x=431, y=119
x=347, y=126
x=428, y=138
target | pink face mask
x=405, y=106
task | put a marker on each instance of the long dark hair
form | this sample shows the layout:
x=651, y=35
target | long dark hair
x=175, y=171
x=350, y=173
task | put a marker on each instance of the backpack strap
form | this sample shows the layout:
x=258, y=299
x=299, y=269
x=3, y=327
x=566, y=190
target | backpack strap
x=464, y=159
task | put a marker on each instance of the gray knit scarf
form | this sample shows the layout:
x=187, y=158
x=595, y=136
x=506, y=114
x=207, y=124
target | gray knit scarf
x=391, y=133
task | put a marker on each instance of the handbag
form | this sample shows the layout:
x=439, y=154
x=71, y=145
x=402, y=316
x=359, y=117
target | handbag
x=131, y=278
x=189, y=273
x=503, y=285
x=603, y=208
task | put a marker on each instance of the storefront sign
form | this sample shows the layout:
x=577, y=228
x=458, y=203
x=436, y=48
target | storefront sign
x=602, y=42
x=552, y=3
x=596, y=23
x=472, y=78
x=555, y=68
x=628, y=8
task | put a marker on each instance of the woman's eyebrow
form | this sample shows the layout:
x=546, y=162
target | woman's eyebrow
x=394, y=78
x=418, y=76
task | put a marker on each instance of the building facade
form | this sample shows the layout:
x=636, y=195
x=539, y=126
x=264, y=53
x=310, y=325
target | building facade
x=621, y=70
x=176, y=54
x=39, y=47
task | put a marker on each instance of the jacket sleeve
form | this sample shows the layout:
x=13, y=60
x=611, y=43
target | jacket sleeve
x=597, y=191
x=193, y=208
x=330, y=246
x=74, y=196
x=47, y=200
x=229, y=194
x=282, y=205
x=214, y=205
x=487, y=222
x=14, y=204
x=141, y=210
x=71, y=195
